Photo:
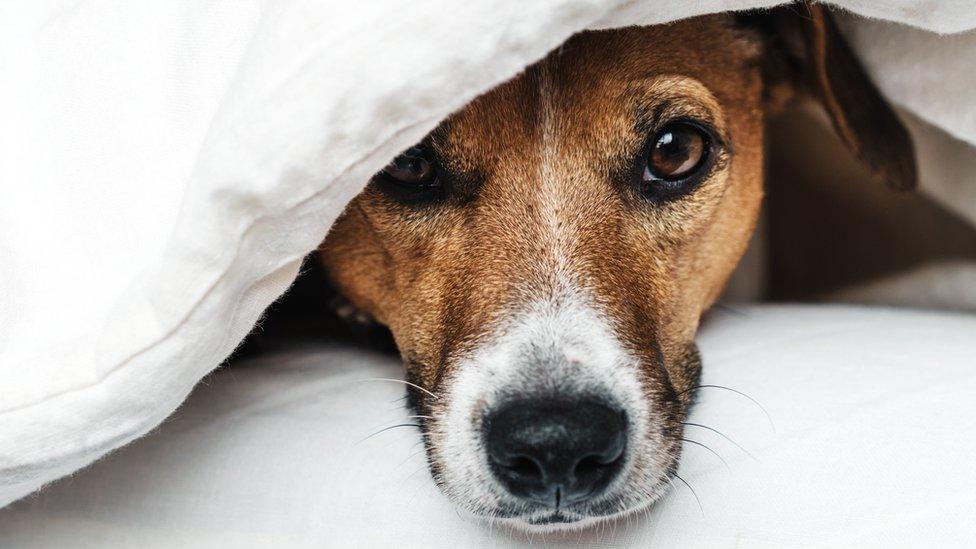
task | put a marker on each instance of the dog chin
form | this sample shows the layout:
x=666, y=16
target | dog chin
x=551, y=521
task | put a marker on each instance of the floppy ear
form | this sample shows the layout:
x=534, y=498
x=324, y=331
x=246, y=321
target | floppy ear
x=813, y=55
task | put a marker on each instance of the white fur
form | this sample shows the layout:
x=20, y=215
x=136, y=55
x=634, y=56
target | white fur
x=565, y=347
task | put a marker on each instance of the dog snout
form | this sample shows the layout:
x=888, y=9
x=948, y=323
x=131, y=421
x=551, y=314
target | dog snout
x=556, y=452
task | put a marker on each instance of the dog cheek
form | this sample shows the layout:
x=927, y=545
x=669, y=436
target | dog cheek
x=686, y=372
x=668, y=400
x=357, y=265
x=454, y=448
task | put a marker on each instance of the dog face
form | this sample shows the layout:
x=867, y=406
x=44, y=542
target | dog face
x=544, y=256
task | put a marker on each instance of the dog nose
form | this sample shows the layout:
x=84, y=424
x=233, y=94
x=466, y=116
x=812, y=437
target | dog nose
x=556, y=452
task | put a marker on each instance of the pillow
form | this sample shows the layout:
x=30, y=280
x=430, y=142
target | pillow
x=869, y=440
x=166, y=166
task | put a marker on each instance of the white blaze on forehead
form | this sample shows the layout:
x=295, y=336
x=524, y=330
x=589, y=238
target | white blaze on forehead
x=551, y=200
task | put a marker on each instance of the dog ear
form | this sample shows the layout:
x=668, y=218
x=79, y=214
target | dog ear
x=806, y=51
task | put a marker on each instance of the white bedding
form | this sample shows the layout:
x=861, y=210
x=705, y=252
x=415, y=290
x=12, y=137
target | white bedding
x=875, y=429
x=165, y=165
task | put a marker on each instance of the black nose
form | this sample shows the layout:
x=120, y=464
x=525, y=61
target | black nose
x=556, y=452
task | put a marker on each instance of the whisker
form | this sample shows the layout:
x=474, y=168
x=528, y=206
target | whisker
x=720, y=458
x=384, y=429
x=730, y=310
x=723, y=435
x=420, y=417
x=408, y=458
x=410, y=476
x=736, y=391
x=403, y=381
x=683, y=481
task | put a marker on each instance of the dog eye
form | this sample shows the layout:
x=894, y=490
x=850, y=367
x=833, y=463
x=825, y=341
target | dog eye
x=413, y=167
x=676, y=151
x=677, y=154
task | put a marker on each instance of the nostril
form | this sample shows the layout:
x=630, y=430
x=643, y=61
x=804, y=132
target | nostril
x=524, y=466
x=596, y=465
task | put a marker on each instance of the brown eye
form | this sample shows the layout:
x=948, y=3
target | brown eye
x=677, y=152
x=413, y=167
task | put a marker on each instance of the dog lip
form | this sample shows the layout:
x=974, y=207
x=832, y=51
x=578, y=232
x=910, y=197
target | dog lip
x=531, y=513
x=557, y=517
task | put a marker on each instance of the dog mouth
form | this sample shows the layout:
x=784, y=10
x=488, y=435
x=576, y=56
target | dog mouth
x=538, y=518
x=556, y=517
x=547, y=429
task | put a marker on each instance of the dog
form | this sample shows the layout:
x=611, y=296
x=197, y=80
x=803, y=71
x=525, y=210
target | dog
x=544, y=256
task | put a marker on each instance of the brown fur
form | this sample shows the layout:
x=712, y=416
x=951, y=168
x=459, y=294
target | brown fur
x=441, y=277
x=540, y=164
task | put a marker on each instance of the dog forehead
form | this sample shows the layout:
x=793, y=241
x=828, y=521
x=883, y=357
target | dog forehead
x=583, y=88
x=708, y=48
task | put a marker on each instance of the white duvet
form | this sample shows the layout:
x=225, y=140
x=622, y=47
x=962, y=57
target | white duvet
x=164, y=166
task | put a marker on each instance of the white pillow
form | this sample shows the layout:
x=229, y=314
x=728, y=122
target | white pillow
x=875, y=429
x=165, y=166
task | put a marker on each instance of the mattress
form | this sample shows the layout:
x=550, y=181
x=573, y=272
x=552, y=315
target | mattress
x=833, y=426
